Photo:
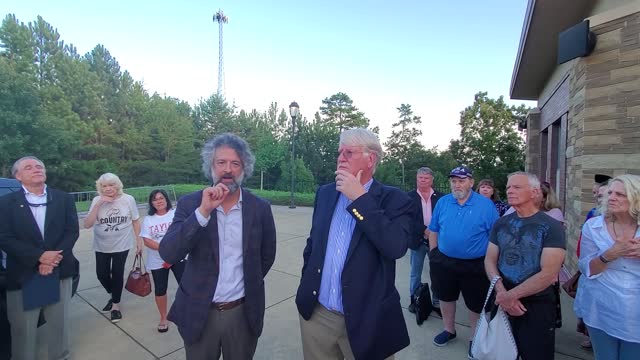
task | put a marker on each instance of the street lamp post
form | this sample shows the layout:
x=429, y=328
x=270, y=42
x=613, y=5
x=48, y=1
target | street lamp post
x=294, y=110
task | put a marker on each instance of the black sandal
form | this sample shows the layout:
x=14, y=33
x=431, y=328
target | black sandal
x=163, y=328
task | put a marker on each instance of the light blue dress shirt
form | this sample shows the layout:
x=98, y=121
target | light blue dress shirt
x=610, y=300
x=340, y=232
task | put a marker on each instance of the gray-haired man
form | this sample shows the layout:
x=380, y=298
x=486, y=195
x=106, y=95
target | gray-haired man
x=230, y=237
x=38, y=230
x=425, y=198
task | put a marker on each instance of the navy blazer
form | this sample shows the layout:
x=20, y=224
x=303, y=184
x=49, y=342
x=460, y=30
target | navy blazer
x=199, y=280
x=21, y=239
x=418, y=221
x=371, y=303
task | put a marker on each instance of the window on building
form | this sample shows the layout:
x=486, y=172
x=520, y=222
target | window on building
x=553, y=148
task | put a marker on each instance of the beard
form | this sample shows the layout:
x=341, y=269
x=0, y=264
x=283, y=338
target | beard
x=233, y=186
x=460, y=194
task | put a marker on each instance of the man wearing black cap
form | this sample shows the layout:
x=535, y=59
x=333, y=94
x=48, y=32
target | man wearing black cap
x=599, y=188
x=460, y=227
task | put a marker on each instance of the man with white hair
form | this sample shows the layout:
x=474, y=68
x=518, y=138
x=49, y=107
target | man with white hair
x=460, y=228
x=525, y=253
x=348, y=303
x=38, y=230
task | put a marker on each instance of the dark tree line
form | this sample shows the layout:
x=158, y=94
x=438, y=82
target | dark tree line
x=84, y=115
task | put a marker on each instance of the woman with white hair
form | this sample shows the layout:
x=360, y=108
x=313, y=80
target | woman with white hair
x=608, y=297
x=116, y=223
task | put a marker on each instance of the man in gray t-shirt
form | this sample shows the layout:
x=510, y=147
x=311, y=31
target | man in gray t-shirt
x=526, y=251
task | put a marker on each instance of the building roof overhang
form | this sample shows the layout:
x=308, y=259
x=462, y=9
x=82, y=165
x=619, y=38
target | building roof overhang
x=537, y=53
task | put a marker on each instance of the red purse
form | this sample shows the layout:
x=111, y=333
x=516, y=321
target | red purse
x=138, y=282
x=571, y=285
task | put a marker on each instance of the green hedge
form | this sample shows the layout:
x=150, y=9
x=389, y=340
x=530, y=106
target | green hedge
x=275, y=197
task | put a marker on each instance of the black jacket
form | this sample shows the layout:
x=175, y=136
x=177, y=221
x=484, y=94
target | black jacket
x=20, y=237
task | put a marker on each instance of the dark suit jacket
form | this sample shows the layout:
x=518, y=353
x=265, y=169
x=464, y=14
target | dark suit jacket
x=20, y=237
x=371, y=303
x=418, y=221
x=198, y=284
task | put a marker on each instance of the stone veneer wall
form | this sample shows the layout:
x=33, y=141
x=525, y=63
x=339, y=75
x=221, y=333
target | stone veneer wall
x=603, y=134
x=532, y=145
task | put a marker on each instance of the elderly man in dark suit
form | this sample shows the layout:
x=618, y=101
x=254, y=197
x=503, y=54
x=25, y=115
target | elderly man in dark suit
x=348, y=303
x=38, y=230
x=230, y=237
x=425, y=198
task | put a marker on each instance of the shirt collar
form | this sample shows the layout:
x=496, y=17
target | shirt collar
x=367, y=185
x=597, y=222
x=27, y=192
x=238, y=205
x=431, y=192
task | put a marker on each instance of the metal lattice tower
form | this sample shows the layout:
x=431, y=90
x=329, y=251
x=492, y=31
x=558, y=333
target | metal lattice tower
x=221, y=19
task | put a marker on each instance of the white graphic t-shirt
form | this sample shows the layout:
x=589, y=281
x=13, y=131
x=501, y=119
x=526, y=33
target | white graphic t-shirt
x=154, y=227
x=113, y=230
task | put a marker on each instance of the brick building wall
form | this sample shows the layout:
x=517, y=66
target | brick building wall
x=603, y=120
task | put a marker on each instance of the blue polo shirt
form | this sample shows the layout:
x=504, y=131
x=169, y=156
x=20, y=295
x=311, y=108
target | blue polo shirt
x=463, y=230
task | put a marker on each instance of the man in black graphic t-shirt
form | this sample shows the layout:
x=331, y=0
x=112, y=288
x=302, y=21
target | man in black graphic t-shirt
x=526, y=250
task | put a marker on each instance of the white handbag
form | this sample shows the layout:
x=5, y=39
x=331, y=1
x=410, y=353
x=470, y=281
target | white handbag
x=493, y=339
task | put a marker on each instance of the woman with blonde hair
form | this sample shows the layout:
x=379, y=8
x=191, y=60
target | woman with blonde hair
x=608, y=297
x=116, y=224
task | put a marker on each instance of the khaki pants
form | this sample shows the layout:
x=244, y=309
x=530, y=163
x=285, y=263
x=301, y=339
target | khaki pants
x=24, y=325
x=324, y=336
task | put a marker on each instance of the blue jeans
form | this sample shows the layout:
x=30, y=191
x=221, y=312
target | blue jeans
x=607, y=347
x=417, y=265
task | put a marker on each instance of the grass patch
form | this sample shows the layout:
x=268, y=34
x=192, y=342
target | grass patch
x=275, y=197
x=284, y=198
x=82, y=206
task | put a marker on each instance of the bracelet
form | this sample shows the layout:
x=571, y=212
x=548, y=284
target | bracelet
x=604, y=259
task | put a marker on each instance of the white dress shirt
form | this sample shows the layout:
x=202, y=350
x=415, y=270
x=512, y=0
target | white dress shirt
x=610, y=300
x=39, y=212
x=230, y=284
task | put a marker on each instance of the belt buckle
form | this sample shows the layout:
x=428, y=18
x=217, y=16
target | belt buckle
x=220, y=306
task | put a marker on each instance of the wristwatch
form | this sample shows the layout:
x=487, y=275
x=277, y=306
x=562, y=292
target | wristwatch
x=604, y=259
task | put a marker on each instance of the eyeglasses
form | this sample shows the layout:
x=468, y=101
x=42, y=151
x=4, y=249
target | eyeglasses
x=348, y=154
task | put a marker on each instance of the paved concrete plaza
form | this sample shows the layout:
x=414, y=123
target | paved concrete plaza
x=94, y=337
